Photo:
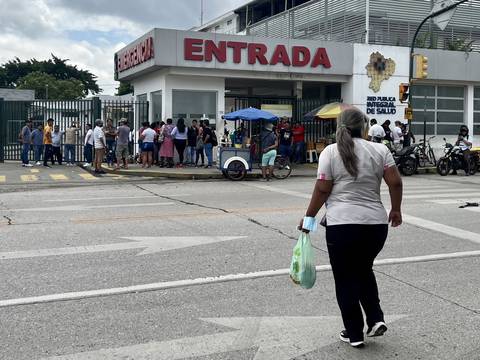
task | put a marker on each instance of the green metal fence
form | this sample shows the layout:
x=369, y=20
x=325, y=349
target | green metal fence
x=13, y=115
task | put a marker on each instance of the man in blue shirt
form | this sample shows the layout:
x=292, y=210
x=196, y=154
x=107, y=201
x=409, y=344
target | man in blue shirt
x=37, y=142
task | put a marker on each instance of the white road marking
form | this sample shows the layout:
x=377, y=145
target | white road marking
x=276, y=338
x=435, y=192
x=89, y=207
x=213, y=280
x=416, y=221
x=151, y=245
x=465, y=195
x=441, y=228
x=113, y=197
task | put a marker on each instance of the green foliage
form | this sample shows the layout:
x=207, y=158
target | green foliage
x=124, y=88
x=12, y=71
x=459, y=45
x=427, y=40
x=70, y=89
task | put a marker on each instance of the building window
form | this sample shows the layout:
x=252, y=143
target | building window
x=217, y=28
x=157, y=106
x=476, y=111
x=194, y=105
x=141, y=109
x=229, y=22
x=442, y=106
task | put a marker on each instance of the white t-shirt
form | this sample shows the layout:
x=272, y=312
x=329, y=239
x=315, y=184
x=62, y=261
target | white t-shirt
x=89, y=137
x=397, y=134
x=149, y=135
x=98, y=134
x=176, y=134
x=355, y=201
x=376, y=131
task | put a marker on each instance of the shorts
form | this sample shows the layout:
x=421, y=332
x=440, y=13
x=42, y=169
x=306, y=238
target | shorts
x=122, y=151
x=147, y=146
x=268, y=159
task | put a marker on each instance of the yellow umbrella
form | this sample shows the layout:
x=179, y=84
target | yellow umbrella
x=331, y=111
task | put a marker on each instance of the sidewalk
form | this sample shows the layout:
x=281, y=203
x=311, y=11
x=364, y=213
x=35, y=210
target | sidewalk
x=192, y=173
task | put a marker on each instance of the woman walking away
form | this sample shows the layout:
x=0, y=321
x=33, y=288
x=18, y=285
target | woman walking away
x=148, y=139
x=166, y=150
x=180, y=136
x=350, y=173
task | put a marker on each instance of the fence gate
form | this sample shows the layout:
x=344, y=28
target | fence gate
x=13, y=115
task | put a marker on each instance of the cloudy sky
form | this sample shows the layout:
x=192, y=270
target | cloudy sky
x=88, y=32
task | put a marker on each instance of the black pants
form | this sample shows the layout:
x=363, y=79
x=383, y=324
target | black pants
x=56, y=153
x=48, y=154
x=352, y=250
x=180, y=145
x=200, y=154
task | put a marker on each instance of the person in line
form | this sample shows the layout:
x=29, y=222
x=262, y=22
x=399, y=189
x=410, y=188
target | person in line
x=408, y=137
x=37, y=141
x=298, y=132
x=145, y=125
x=47, y=143
x=376, y=133
x=200, y=146
x=100, y=146
x=350, y=173
x=25, y=138
x=166, y=150
x=70, y=143
x=269, y=143
x=88, y=146
x=180, y=137
x=192, y=142
x=465, y=146
x=156, y=151
x=110, y=136
x=397, y=135
x=57, y=145
x=148, y=139
x=123, y=133
x=286, y=140
x=209, y=141
x=387, y=139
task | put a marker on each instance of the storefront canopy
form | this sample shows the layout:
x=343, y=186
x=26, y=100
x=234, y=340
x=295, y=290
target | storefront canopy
x=250, y=114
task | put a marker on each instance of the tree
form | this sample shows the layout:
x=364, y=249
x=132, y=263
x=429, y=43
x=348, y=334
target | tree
x=124, y=88
x=71, y=89
x=12, y=71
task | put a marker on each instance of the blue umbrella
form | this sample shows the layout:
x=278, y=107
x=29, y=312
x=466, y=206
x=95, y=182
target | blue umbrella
x=250, y=114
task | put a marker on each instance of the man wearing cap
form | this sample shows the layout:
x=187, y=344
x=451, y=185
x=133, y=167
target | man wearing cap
x=269, y=143
x=47, y=142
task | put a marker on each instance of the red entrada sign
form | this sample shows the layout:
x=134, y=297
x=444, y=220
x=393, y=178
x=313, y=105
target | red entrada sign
x=298, y=56
x=138, y=54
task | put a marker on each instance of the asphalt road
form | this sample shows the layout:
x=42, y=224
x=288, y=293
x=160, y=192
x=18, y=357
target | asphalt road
x=111, y=237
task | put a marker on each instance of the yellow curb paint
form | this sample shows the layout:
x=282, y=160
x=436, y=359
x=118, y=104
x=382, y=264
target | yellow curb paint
x=3, y=178
x=34, y=171
x=88, y=177
x=29, y=178
x=58, y=177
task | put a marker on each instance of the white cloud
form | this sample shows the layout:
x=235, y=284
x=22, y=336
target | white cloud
x=38, y=28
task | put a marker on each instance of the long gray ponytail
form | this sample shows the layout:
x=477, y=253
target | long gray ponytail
x=350, y=124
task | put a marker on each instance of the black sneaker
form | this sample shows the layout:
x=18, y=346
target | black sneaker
x=377, y=330
x=356, y=344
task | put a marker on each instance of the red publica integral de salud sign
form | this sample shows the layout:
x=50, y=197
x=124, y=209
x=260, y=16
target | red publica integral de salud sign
x=298, y=56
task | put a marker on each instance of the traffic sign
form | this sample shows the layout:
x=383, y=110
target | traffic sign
x=408, y=113
x=442, y=20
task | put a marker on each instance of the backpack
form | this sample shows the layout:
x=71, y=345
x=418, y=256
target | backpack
x=214, y=138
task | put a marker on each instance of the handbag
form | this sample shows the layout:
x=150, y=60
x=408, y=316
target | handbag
x=199, y=144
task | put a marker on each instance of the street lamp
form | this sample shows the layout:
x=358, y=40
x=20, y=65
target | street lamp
x=412, y=49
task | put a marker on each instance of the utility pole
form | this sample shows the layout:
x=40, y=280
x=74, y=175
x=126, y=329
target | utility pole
x=201, y=12
x=412, y=49
x=46, y=92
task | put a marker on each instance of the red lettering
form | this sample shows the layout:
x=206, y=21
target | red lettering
x=321, y=58
x=136, y=55
x=257, y=52
x=237, y=50
x=300, y=56
x=192, y=46
x=280, y=55
x=220, y=51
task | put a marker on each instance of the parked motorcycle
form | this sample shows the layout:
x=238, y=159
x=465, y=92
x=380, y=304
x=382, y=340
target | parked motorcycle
x=406, y=160
x=454, y=160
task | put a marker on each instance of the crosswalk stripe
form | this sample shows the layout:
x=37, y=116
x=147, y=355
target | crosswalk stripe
x=58, y=177
x=29, y=178
x=3, y=178
x=452, y=201
x=88, y=177
x=34, y=171
x=434, y=192
x=461, y=196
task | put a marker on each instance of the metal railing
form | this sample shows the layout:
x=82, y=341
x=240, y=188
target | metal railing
x=391, y=22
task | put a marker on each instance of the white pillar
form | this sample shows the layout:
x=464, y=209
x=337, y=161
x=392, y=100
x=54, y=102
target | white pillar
x=469, y=106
